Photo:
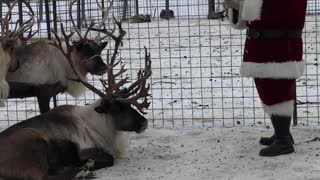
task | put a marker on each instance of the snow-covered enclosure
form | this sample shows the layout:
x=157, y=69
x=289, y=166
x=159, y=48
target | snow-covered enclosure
x=205, y=120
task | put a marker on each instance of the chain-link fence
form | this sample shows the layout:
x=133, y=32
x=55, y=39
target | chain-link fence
x=195, y=62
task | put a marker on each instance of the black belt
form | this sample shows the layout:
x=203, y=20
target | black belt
x=273, y=34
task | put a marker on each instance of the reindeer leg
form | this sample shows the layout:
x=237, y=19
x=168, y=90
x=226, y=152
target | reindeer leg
x=100, y=158
x=93, y=159
x=45, y=92
x=44, y=103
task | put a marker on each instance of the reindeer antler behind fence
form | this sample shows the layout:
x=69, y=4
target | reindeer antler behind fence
x=114, y=89
x=24, y=27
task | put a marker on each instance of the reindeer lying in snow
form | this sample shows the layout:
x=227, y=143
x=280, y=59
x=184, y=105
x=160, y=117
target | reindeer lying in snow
x=44, y=71
x=77, y=136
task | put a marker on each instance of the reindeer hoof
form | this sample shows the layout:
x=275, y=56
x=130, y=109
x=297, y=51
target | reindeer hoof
x=85, y=174
x=89, y=164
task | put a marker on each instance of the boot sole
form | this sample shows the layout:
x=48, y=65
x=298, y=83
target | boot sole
x=265, y=141
x=287, y=151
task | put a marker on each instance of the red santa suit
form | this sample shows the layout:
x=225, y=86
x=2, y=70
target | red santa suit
x=273, y=49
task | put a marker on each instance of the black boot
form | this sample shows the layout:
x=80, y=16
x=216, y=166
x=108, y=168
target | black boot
x=283, y=141
x=267, y=141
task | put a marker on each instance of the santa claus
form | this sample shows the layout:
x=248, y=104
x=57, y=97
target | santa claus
x=273, y=57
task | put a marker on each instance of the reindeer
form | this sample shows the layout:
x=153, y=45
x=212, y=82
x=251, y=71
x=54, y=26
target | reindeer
x=44, y=71
x=69, y=141
x=8, y=42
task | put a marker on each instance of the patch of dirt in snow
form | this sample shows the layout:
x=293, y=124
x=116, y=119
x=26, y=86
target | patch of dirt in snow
x=214, y=153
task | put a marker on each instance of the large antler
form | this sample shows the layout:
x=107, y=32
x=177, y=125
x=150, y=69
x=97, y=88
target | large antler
x=105, y=14
x=137, y=89
x=27, y=25
x=24, y=27
x=67, y=53
x=72, y=2
x=5, y=21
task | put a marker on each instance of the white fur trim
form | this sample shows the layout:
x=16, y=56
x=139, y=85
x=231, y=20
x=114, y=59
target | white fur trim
x=290, y=70
x=240, y=24
x=251, y=10
x=284, y=108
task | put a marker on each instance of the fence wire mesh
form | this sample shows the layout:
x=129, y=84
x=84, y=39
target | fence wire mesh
x=195, y=62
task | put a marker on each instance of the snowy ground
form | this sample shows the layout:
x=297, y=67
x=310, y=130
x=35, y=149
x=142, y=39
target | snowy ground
x=215, y=153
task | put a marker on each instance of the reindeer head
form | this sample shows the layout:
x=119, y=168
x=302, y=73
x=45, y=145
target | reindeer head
x=9, y=40
x=88, y=54
x=117, y=100
x=125, y=117
x=88, y=51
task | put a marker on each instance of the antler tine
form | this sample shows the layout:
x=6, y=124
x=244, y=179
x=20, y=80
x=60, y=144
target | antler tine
x=24, y=28
x=136, y=90
x=28, y=24
x=88, y=29
x=6, y=19
x=67, y=54
x=139, y=87
x=72, y=2
x=105, y=14
x=114, y=87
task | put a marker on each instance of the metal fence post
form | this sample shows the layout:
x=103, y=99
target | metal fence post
x=49, y=36
x=167, y=9
x=46, y=2
x=211, y=6
x=295, y=112
x=20, y=13
x=41, y=10
x=137, y=7
x=125, y=8
x=83, y=10
x=54, y=11
x=1, y=13
x=79, y=15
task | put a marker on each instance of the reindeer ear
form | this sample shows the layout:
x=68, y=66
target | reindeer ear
x=103, y=45
x=100, y=109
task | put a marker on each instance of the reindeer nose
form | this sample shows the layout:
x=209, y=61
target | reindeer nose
x=101, y=67
x=143, y=127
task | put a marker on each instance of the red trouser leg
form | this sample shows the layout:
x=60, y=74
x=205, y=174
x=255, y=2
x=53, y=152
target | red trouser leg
x=277, y=95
